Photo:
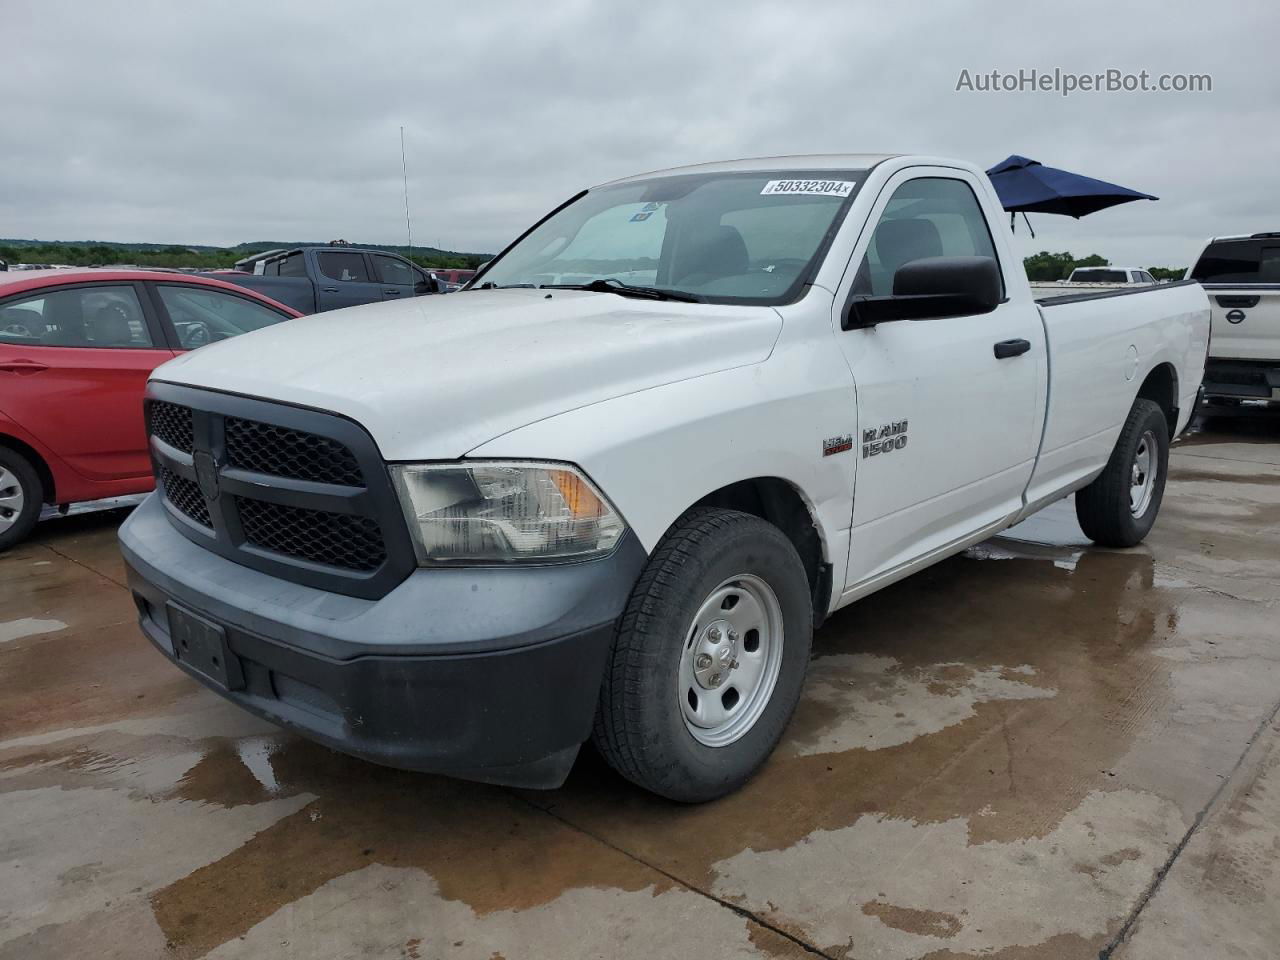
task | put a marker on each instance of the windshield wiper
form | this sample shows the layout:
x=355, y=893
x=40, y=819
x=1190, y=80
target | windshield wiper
x=613, y=285
x=490, y=285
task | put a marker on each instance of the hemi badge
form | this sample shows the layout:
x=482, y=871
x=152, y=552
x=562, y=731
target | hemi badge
x=837, y=445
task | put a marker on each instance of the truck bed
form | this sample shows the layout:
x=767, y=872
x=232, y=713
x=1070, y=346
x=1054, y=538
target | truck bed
x=1045, y=293
x=1097, y=349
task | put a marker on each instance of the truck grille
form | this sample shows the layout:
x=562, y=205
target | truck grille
x=301, y=494
x=333, y=539
x=185, y=495
x=267, y=448
x=172, y=424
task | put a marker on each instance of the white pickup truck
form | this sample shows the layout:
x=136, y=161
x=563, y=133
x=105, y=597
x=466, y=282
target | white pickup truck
x=1115, y=275
x=608, y=491
x=1242, y=275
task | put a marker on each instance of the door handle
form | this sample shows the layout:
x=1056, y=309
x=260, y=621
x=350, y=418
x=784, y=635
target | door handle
x=22, y=367
x=393, y=291
x=1011, y=348
x=328, y=289
x=1246, y=302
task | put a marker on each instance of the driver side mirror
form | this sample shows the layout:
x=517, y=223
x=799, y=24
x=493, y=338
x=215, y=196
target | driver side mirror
x=929, y=289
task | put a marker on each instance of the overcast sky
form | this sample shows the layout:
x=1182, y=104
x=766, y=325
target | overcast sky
x=280, y=121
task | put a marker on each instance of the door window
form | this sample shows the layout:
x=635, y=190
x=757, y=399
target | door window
x=293, y=266
x=394, y=270
x=201, y=316
x=106, y=316
x=343, y=266
x=928, y=217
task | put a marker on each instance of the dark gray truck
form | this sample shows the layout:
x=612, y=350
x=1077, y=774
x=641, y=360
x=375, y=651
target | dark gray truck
x=315, y=279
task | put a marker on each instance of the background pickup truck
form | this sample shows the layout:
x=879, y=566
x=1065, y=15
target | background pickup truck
x=315, y=279
x=1093, y=280
x=1242, y=276
x=615, y=509
x=1110, y=275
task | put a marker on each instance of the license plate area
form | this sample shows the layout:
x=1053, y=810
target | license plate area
x=202, y=645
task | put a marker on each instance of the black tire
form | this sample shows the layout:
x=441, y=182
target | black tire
x=17, y=471
x=640, y=727
x=1103, y=507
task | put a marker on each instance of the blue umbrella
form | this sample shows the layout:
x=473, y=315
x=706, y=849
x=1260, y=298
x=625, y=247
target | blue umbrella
x=1029, y=186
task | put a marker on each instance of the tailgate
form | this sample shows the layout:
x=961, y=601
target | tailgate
x=1246, y=321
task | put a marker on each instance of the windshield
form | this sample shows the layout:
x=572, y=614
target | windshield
x=718, y=238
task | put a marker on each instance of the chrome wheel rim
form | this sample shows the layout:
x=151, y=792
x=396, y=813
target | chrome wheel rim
x=1142, y=474
x=730, y=660
x=12, y=499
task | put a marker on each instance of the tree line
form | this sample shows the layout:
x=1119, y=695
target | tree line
x=1041, y=268
x=172, y=256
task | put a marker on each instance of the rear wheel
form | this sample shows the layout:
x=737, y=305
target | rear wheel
x=1120, y=506
x=21, y=497
x=709, y=659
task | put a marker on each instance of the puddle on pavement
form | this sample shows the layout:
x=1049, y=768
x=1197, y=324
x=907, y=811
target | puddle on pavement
x=479, y=845
x=1000, y=700
x=335, y=816
x=968, y=674
x=994, y=666
x=77, y=678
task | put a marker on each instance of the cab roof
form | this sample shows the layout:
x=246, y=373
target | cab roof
x=816, y=161
x=44, y=277
x=21, y=281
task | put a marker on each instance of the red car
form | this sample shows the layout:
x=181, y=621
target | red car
x=76, y=348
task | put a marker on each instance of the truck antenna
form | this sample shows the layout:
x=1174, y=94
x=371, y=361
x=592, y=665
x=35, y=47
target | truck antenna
x=404, y=169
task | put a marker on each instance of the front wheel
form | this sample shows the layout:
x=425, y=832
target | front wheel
x=1120, y=506
x=709, y=659
x=21, y=497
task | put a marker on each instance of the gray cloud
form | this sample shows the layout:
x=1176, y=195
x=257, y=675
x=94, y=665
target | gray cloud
x=242, y=121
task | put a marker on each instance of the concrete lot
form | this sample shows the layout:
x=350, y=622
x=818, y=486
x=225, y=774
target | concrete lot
x=1036, y=749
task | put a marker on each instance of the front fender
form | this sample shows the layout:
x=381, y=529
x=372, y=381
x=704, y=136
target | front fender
x=657, y=452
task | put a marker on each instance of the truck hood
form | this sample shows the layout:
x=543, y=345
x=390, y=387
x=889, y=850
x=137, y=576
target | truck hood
x=435, y=377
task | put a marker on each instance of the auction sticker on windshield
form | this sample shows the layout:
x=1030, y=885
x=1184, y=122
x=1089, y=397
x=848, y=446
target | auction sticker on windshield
x=821, y=188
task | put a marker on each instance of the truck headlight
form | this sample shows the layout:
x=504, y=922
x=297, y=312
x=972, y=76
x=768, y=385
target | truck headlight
x=503, y=510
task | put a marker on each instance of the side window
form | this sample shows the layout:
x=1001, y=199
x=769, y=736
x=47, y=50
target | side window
x=1269, y=264
x=393, y=270
x=928, y=217
x=201, y=316
x=293, y=266
x=343, y=266
x=107, y=316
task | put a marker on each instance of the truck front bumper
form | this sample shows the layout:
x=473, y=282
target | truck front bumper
x=481, y=673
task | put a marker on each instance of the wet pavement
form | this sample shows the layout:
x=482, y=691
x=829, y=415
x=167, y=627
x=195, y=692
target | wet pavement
x=1036, y=749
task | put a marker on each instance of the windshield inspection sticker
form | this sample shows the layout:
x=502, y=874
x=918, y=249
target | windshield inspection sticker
x=820, y=188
